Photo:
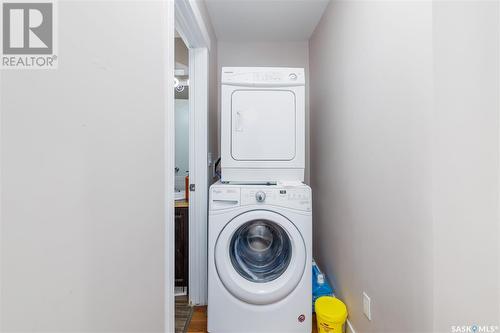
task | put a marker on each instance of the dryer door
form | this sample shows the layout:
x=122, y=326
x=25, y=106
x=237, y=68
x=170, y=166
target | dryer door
x=260, y=257
x=263, y=125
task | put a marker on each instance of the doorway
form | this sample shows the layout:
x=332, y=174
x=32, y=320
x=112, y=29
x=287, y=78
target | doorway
x=191, y=168
x=181, y=184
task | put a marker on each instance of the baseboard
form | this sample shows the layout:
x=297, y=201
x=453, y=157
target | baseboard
x=349, y=328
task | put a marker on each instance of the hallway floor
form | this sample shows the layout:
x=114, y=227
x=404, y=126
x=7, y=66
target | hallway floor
x=182, y=313
x=198, y=322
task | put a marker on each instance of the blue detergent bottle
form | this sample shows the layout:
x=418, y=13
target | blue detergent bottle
x=320, y=286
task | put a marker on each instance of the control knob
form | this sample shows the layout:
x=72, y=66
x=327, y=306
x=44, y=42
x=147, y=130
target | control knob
x=260, y=196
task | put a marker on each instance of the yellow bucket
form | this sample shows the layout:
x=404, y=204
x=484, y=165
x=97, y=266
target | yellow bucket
x=331, y=314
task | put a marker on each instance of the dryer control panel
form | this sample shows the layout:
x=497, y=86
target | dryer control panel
x=263, y=76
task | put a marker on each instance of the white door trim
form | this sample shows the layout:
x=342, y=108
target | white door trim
x=198, y=174
x=190, y=25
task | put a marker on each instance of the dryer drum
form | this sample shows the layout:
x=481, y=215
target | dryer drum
x=260, y=251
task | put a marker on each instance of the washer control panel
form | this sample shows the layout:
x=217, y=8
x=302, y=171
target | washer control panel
x=229, y=196
x=294, y=198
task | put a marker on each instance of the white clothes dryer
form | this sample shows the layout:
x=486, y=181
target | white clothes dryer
x=262, y=124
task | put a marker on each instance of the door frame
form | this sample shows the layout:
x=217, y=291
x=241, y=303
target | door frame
x=191, y=27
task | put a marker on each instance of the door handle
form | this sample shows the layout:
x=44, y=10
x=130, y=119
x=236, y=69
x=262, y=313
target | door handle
x=226, y=201
x=239, y=121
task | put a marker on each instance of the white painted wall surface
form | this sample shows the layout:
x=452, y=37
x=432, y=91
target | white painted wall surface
x=265, y=21
x=466, y=164
x=181, y=142
x=213, y=96
x=83, y=202
x=268, y=54
x=405, y=161
x=371, y=106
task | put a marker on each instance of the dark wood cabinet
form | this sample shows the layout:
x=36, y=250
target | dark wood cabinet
x=181, y=246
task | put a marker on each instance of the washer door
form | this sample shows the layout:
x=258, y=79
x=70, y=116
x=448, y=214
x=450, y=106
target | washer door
x=260, y=257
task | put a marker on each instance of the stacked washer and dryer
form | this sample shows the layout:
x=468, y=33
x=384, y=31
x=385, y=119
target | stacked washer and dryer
x=260, y=218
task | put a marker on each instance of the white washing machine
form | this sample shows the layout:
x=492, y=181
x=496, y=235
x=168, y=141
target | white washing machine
x=259, y=262
x=262, y=124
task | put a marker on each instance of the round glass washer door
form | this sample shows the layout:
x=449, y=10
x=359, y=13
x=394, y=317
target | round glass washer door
x=260, y=257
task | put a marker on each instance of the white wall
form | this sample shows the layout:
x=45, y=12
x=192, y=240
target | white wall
x=83, y=175
x=466, y=152
x=268, y=54
x=405, y=161
x=213, y=95
x=181, y=142
x=181, y=120
x=181, y=52
x=371, y=105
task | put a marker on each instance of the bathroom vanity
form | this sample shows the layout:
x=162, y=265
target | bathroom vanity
x=181, y=243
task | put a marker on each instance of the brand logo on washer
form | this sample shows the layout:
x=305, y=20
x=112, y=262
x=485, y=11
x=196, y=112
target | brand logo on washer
x=301, y=318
